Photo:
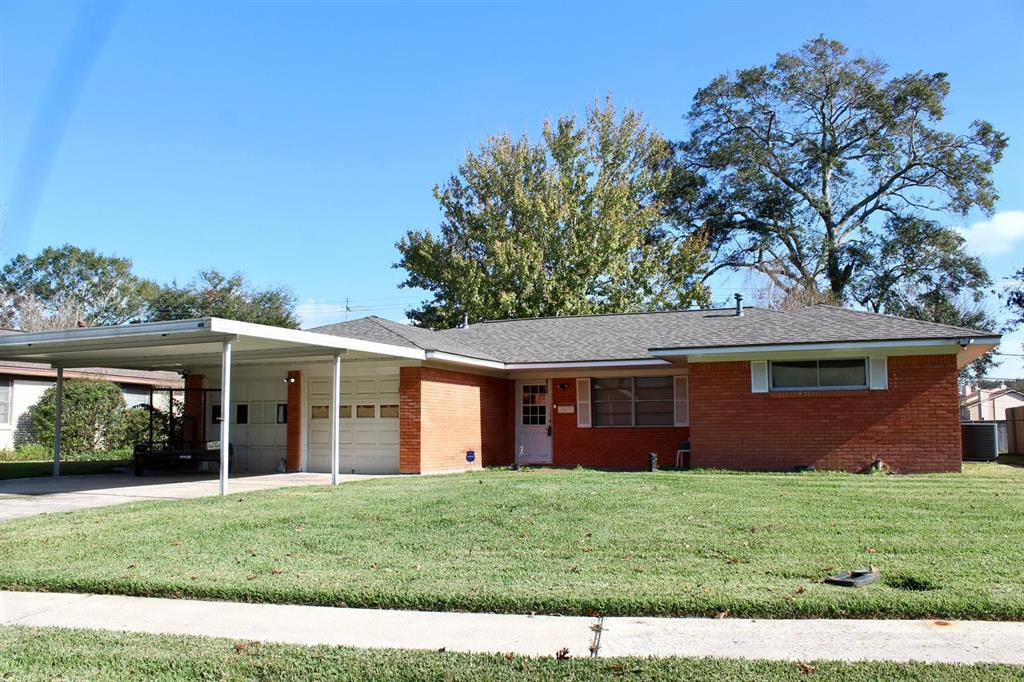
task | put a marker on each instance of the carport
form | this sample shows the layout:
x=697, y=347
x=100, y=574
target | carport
x=209, y=342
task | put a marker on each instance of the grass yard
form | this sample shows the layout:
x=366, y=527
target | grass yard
x=9, y=470
x=51, y=654
x=559, y=541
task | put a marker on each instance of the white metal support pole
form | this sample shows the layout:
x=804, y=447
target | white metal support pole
x=58, y=421
x=225, y=416
x=335, y=419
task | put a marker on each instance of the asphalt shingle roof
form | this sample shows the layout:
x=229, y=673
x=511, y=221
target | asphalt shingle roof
x=631, y=336
x=374, y=328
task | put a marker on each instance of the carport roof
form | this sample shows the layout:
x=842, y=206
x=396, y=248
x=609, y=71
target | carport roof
x=180, y=344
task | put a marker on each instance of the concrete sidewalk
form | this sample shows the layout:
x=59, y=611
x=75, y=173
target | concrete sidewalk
x=794, y=640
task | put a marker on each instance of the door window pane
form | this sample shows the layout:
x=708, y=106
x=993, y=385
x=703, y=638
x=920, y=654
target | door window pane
x=282, y=413
x=534, y=402
x=344, y=411
x=366, y=411
x=389, y=411
x=241, y=414
x=842, y=373
x=795, y=374
x=319, y=412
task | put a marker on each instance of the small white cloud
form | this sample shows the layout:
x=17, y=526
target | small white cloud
x=1002, y=234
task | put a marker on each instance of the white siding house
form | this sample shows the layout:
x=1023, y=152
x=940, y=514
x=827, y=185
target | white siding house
x=989, y=404
x=23, y=383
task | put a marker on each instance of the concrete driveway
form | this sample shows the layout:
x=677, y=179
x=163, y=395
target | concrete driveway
x=32, y=496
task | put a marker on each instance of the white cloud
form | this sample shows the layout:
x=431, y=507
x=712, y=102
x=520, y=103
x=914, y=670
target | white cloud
x=1000, y=235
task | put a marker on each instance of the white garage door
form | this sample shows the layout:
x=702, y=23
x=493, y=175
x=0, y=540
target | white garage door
x=258, y=429
x=369, y=425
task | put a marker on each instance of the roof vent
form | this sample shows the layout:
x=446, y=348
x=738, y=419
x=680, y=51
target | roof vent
x=465, y=321
x=739, y=304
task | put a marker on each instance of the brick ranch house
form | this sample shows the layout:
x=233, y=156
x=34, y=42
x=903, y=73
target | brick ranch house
x=740, y=389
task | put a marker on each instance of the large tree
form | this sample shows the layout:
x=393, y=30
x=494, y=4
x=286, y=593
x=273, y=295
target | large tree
x=571, y=224
x=62, y=286
x=215, y=294
x=820, y=169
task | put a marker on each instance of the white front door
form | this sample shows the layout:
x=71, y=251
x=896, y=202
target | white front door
x=533, y=423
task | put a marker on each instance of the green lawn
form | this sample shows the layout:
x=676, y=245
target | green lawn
x=10, y=470
x=557, y=541
x=53, y=654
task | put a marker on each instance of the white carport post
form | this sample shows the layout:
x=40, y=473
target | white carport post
x=58, y=421
x=335, y=419
x=225, y=415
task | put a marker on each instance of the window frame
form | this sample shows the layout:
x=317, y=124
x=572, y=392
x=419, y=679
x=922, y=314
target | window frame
x=633, y=401
x=8, y=383
x=817, y=373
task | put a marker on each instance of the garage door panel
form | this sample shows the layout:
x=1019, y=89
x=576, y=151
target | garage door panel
x=368, y=443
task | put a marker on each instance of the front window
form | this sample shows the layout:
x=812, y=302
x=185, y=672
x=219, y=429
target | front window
x=5, y=401
x=632, y=401
x=796, y=375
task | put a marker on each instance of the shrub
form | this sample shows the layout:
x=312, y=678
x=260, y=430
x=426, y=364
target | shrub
x=93, y=414
x=134, y=426
x=30, y=452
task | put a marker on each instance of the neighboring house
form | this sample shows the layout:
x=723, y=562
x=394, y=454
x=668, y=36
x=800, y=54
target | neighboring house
x=23, y=383
x=765, y=389
x=989, y=404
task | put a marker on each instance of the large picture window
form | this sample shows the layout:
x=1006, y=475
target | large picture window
x=804, y=375
x=632, y=401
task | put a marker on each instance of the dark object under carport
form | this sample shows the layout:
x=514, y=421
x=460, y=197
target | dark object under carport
x=186, y=455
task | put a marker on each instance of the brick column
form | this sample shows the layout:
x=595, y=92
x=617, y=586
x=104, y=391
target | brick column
x=409, y=414
x=194, y=419
x=293, y=447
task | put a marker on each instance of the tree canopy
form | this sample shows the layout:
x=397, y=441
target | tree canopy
x=574, y=223
x=820, y=170
x=64, y=285
x=1015, y=301
x=215, y=294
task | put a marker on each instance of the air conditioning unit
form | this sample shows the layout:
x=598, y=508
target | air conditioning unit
x=980, y=441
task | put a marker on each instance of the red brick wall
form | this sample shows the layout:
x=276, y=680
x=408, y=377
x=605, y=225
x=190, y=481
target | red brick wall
x=608, y=448
x=913, y=426
x=195, y=420
x=293, y=438
x=443, y=414
x=409, y=420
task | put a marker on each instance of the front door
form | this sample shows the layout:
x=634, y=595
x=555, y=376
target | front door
x=533, y=419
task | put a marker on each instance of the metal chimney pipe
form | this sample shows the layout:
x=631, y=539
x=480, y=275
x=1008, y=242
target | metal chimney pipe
x=739, y=304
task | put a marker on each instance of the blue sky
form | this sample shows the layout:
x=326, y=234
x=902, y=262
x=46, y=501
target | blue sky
x=297, y=142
